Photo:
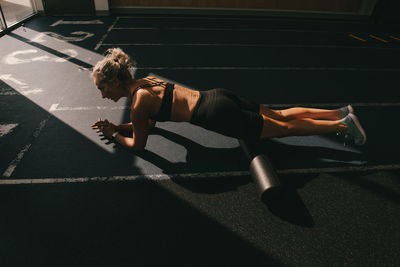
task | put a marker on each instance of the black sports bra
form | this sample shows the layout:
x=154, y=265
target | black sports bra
x=164, y=114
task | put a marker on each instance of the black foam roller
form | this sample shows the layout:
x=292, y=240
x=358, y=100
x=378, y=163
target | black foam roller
x=261, y=168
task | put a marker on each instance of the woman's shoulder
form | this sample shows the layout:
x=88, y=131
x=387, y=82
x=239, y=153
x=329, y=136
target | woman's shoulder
x=143, y=94
x=152, y=79
x=143, y=99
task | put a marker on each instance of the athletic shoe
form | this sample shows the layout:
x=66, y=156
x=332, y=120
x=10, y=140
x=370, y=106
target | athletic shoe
x=354, y=129
x=344, y=111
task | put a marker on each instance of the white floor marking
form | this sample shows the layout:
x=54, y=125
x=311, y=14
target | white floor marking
x=26, y=92
x=394, y=104
x=83, y=35
x=7, y=128
x=9, y=93
x=106, y=34
x=363, y=69
x=153, y=177
x=228, y=29
x=22, y=86
x=12, y=59
x=387, y=167
x=32, y=92
x=38, y=38
x=137, y=28
x=80, y=22
x=9, y=171
x=253, y=45
x=235, y=19
x=161, y=177
x=56, y=107
x=9, y=77
x=15, y=162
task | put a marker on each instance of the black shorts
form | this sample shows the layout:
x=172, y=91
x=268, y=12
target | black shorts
x=222, y=111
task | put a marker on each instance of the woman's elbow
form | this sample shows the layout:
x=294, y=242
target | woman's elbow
x=137, y=147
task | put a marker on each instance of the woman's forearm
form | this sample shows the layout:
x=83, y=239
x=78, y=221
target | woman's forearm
x=126, y=127
x=128, y=142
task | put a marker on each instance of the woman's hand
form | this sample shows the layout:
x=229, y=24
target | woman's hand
x=105, y=127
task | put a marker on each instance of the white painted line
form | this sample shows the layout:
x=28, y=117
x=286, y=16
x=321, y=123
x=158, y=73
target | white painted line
x=13, y=59
x=81, y=36
x=9, y=77
x=15, y=162
x=32, y=92
x=137, y=28
x=152, y=177
x=345, y=33
x=56, y=108
x=234, y=19
x=7, y=128
x=275, y=68
x=53, y=107
x=105, y=35
x=9, y=93
x=21, y=84
x=225, y=29
x=9, y=171
x=394, y=104
x=27, y=92
x=251, y=45
x=162, y=177
x=388, y=167
x=76, y=22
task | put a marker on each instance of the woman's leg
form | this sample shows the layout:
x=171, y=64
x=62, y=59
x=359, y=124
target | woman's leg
x=297, y=127
x=300, y=113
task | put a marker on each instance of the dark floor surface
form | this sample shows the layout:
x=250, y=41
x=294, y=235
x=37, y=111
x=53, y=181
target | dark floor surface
x=340, y=205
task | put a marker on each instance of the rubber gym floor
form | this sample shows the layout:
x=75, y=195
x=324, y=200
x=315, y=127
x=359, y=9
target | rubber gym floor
x=69, y=197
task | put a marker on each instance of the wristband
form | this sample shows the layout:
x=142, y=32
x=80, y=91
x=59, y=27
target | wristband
x=114, y=135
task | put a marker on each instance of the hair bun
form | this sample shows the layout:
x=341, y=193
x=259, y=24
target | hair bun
x=120, y=57
x=116, y=65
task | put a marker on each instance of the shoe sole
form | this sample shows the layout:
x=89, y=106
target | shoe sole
x=359, y=127
x=351, y=109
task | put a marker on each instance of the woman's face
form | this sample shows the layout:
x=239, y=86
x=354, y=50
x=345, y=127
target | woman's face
x=109, y=90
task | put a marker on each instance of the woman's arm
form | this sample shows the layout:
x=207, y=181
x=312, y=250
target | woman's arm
x=128, y=127
x=110, y=130
x=140, y=123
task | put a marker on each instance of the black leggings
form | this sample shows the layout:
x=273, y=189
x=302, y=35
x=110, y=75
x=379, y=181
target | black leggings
x=222, y=111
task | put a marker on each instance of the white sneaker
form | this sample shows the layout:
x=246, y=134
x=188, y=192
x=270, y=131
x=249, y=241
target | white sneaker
x=344, y=111
x=354, y=129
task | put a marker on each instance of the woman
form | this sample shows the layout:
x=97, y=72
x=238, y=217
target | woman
x=218, y=110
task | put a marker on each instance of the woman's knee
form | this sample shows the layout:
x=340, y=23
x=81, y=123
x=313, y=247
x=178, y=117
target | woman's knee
x=272, y=113
x=274, y=128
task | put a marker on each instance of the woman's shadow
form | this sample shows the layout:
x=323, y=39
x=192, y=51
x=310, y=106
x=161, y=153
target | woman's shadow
x=285, y=203
x=212, y=164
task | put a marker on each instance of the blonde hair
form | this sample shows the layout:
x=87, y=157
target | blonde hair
x=115, y=65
